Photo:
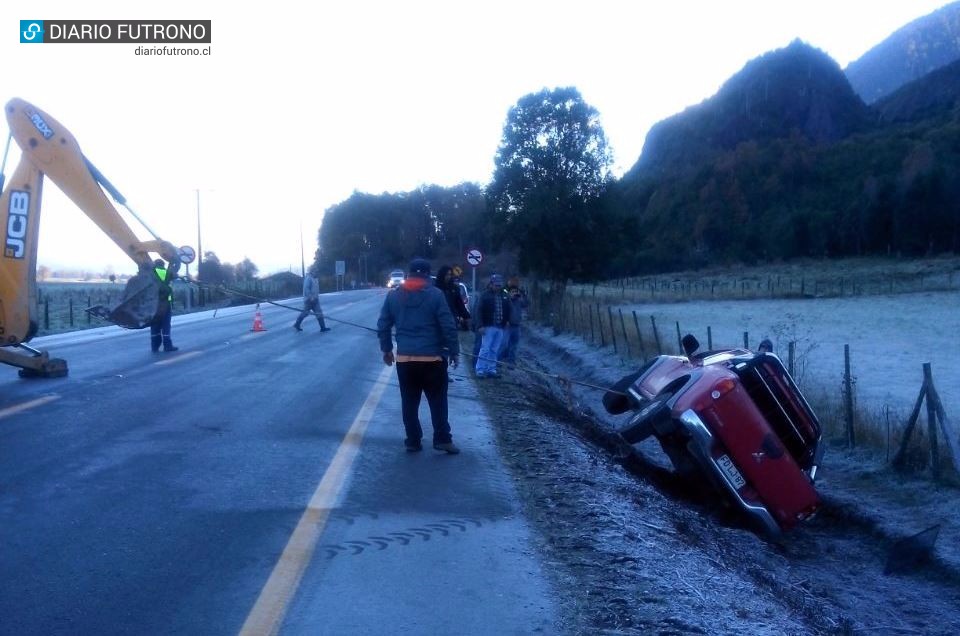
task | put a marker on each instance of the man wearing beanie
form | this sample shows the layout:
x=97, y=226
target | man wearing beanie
x=426, y=334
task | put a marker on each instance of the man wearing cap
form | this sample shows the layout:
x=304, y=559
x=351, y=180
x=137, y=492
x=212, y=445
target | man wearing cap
x=160, y=326
x=426, y=335
x=494, y=316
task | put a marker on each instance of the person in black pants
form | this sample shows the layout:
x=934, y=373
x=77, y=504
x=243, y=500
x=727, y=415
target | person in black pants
x=160, y=326
x=426, y=342
x=451, y=291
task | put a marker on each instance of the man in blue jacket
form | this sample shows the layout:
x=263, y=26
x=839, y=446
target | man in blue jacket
x=426, y=337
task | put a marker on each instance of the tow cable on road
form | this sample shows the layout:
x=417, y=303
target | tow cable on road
x=564, y=381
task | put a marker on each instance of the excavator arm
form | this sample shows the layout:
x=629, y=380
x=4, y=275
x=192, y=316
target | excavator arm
x=49, y=149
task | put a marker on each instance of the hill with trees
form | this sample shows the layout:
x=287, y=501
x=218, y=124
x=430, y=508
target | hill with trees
x=874, y=187
x=785, y=161
x=911, y=52
x=795, y=90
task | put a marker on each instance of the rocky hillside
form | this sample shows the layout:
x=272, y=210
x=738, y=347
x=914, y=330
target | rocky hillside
x=933, y=94
x=795, y=91
x=911, y=52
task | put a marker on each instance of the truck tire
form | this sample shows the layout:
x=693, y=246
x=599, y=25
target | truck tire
x=616, y=400
x=655, y=415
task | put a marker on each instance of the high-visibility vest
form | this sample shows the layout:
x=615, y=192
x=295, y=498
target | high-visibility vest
x=161, y=273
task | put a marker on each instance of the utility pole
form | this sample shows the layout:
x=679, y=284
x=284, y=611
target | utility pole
x=303, y=265
x=199, y=246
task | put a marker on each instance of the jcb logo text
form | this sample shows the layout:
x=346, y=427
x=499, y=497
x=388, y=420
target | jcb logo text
x=17, y=224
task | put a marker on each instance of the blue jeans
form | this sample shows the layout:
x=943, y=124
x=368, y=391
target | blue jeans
x=511, y=340
x=489, y=348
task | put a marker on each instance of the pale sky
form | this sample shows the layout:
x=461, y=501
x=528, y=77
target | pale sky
x=300, y=104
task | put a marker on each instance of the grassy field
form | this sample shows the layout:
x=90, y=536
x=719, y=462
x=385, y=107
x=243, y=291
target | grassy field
x=890, y=329
x=799, y=279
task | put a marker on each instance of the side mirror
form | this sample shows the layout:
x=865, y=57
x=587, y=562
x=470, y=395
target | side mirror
x=690, y=344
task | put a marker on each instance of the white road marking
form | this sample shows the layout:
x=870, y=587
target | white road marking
x=19, y=408
x=179, y=358
x=267, y=614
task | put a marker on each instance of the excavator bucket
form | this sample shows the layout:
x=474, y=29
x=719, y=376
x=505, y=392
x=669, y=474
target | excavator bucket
x=141, y=300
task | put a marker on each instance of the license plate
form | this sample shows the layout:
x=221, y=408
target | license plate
x=733, y=475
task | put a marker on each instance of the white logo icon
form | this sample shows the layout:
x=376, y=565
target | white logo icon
x=33, y=30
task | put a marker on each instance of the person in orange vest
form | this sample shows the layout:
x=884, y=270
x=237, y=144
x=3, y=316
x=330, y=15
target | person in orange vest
x=160, y=327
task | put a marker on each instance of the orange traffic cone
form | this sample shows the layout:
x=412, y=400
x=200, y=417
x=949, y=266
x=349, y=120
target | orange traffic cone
x=258, y=321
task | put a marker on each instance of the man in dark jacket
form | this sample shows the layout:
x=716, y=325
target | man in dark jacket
x=451, y=291
x=426, y=336
x=160, y=326
x=511, y=336
x=493, y=318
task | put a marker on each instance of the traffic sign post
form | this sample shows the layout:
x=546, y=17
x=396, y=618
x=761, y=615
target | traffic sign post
x=187, y=254
x=474, y=258
x=341, y=270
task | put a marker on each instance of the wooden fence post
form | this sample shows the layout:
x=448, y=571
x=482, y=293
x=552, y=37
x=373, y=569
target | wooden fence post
x=848, y=396
x=603, y=340
x=791, y=352
x=656, y=335
x=932, y=422
x=949, y=434
x=590, y=315
x=636, y=324
x=746, y=340
x=709, y=339
x=623, y=328
x=583, y=322
x=679, y=339
x=900, y=457
x=613, y=334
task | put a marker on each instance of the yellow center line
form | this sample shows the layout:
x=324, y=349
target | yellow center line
x=267, y=614
x=19, y=408
x=179, y=358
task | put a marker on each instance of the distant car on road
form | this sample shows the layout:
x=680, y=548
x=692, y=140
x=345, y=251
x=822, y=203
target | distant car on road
x=735, y=417
x=396, y=278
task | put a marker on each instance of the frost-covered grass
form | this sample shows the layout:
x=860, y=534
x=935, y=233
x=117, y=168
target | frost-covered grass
x=890, y=338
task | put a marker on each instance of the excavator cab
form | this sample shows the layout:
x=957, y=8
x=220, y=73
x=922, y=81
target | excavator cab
x=50, y=150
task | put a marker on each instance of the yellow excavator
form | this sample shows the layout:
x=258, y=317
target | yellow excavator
x=48, y=149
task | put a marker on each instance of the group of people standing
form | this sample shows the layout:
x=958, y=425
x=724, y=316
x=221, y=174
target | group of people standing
x=499, y=314
x=425, y=317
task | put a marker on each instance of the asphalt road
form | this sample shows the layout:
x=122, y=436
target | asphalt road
x=251, y=483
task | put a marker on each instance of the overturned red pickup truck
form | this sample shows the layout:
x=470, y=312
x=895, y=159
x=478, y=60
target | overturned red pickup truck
x=737, y=418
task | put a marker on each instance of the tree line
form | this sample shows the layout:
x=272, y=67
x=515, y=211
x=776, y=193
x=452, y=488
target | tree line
x=553, y=203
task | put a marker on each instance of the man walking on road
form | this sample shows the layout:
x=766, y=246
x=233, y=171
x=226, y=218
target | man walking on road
x=426, y=334
x=311, y=302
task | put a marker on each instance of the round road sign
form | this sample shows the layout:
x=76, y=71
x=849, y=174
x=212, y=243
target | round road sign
x=187, y=254
x=474, y=257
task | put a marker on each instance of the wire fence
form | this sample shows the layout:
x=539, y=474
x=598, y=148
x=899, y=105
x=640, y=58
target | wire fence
x=62, y=306
x=604, y=322
x=661, y=289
